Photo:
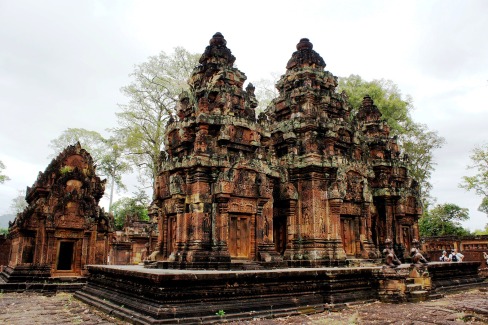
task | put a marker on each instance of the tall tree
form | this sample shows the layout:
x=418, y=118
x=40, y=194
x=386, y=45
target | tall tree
x=135, y=207
x=107, y=154
x=18, y=203
x=3, y=178
x=394, y=107
x=265, y=92
x=91, y=141
x=479, y=182
x=443, y=220
x=419, y=143
x=416, y=140
x=152, y=97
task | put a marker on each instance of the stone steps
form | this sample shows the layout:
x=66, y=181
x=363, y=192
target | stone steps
x=418, y=295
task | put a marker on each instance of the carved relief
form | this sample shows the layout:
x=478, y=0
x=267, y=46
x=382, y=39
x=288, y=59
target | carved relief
x=305, y=164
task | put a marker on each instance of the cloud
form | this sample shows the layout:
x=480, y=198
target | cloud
x=451, y=42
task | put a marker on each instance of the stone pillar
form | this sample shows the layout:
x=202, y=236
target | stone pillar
x=335, y=249
x=180, y=229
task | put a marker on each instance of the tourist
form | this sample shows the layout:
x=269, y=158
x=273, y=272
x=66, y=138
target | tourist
x=444, y=257
x=455, y=256
x=485, y=256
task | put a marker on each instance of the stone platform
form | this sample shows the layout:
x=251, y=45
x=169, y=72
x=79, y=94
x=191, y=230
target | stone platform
x=162, y=296
x=37, y=278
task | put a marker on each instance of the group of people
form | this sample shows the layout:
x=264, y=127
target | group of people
x=455, y=256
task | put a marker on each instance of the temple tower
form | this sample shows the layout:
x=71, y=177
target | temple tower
x=215, y=188
x=62, y=229
x=396, y=195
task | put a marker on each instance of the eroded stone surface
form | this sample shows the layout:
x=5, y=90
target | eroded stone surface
x=305, y=183
x=62, y=229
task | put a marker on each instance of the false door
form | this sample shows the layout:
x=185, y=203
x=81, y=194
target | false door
x=239, y=236
x=348, y=235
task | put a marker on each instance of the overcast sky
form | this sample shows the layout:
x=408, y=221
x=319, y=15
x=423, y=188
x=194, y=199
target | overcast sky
x=62, y=64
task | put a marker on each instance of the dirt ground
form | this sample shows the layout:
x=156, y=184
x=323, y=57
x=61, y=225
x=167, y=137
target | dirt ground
x=462, y=308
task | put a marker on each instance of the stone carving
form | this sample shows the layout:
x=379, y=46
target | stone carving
x=62, y=213
x=334, y=186
x=391, y=260
x=416, y=255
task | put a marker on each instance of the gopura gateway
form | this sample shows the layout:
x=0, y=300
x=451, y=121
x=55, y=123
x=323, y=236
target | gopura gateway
x=304, y=184
x=62, y=229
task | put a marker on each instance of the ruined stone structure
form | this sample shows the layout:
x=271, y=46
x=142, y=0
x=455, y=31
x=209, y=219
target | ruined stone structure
x=472, y=247
x=63, y=229
x=134, y=243
x=4, y=251
x=305, y=183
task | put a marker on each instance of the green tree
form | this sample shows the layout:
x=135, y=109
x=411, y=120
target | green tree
x=265, y=92
x=479, y=182
x=443, y=220
x=481, y=232
x=3, y=178
x=91, y=141
x=152, y=97
x=415, y=139
x=18, y=203
x=394, y=107
x=135, y=206
x=419, y=143
x=107, y=154
x=3, y=231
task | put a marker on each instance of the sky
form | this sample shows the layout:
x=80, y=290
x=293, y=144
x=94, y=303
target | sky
x=63, y=62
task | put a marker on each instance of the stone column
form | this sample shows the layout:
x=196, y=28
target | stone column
x=180, y=228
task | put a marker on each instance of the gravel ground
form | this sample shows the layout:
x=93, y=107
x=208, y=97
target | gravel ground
x=463, y=308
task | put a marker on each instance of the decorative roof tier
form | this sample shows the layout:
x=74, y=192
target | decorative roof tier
x=306, y=89
x=305, y=56
x=216, y=87
x=305, y=184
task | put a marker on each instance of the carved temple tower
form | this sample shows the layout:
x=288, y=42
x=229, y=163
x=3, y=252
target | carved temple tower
x=307, y=183
x=215, y=187
x=62, y=229
x=324, y=159
x=396, y=195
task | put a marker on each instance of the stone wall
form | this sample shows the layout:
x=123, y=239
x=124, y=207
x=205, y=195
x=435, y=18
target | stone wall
x=472, y=247
x=4, y=250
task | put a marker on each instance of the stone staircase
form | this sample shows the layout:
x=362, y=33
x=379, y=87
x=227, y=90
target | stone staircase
x=416, y=292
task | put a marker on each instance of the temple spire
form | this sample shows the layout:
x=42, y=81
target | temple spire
x=305, y=56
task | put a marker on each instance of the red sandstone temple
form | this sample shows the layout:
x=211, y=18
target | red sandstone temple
x=305, y=184
x=63, y=229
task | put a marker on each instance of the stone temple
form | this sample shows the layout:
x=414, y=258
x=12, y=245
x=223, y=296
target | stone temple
x=287, y=213
x=63, y=229
x=304, y=184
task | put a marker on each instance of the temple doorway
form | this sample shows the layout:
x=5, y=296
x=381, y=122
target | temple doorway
x=348, y=235
x=279, y=234
x=239, y=236
x=65, y=256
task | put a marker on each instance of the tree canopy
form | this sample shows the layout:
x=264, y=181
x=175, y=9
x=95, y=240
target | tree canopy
x=135, y=207
x=3, y=177
x=394, y=107
x=152, y=97
x=479, y=182
x=107, y=154
x=265, y=92
x=443, y=220
x=18, y=203
x=415, y=139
